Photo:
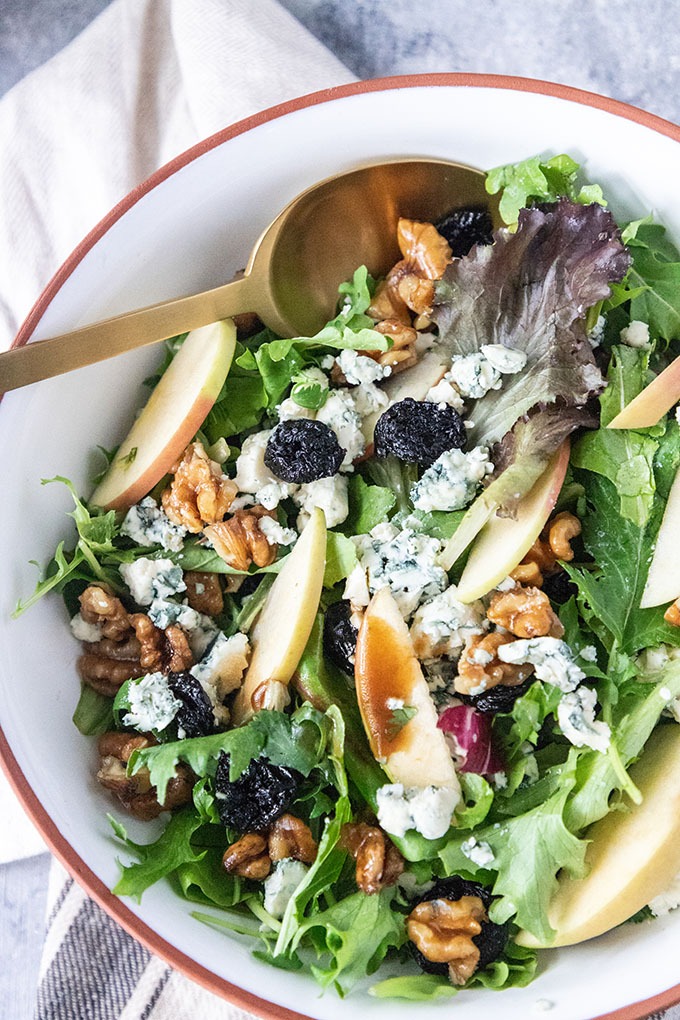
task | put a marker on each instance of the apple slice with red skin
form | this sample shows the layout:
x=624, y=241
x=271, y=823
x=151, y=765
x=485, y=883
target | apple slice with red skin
x=652, y=403
x=632, y=856
x=504, y=541
x=171, y=417
x=385, y=668
x=286, y=619
x=663, y=578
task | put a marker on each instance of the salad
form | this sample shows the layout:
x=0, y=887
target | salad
x=389, y=646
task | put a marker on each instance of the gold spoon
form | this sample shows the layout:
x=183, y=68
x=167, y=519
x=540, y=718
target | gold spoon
x=292, y=277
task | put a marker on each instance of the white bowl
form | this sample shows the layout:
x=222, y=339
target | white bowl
x=189, y=227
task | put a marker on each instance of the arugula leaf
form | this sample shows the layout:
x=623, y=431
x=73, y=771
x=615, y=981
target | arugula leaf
x=624, y=456
x=93, y=713
x=656, y=271
x=515, y=969
x=160, y=858
x=610, y=593
x=194, y=556
x=537, y=180
x=368, y=505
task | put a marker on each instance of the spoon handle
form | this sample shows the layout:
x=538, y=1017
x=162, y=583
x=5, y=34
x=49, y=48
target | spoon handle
x=43, y=359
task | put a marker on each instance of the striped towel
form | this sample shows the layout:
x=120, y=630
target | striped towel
x=93, y=970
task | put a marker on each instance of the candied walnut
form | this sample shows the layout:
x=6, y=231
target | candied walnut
x=402, y=353
x=204, y=592
x=672, y=614
x=443, y=930
x=525, y=612
x=248, y=857
x=239, y=540
x=106, y=675
x=379, y=863
x=480, y=669
x=527, y=573
x=121, y=745
x=291, y=837
x=199, y=493
x=424, y=247
x=387, y=304
x=271, y=695
x=164, y=651
x=135, y=793
x=561, y=530
x=416, y=293
x=99, y=606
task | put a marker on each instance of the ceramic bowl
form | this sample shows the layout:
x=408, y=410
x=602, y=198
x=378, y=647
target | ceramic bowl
x=191, y=226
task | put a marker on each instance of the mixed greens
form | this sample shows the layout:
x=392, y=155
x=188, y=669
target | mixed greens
x=539, y=338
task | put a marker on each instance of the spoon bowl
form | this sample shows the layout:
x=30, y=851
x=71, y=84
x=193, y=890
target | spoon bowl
x=292, y=277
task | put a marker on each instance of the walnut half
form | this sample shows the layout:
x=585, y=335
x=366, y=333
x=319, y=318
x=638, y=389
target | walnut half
x=379, y=863
x=443, y=931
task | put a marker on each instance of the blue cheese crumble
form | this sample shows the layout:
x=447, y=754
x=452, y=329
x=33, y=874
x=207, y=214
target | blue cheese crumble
x=442, y=625
x=281, y=885
x=480, y=854
x=152, y=579
x=473, y=375
x=452, y=481
x=151, y=704
x=359, y=369
x=576, y=719
x=504, y=359
x=329, y=494
x=341, y=415
x=551, y=658
x=200, y=629
x=84, y=631
x=427, y=809
x=146, y=524
x=220, y=672
x=275, y=533
x=445, y=393
x=636, y=334
x=405, y=561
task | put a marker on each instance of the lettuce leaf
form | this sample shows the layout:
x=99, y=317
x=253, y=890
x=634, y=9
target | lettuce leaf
x=530, y=291
x=529, y=850
x=537, y=180
x=624, y=456
x=655, y=274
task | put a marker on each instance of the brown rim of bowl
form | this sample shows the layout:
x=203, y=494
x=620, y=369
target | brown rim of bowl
x=57, y=843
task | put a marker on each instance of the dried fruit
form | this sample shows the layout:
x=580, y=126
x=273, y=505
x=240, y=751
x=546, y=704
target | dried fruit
x=260, y=795
x=496, y=699
x=464, y=228
x=195, y=717
x=303, y=450
x=418, y=431
x=492, y=939
x=559, y=587
x=340, y=636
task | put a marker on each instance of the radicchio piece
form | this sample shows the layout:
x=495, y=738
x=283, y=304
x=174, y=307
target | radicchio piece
x=471, y=731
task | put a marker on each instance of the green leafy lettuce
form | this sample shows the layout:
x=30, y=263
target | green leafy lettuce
x=539, y=180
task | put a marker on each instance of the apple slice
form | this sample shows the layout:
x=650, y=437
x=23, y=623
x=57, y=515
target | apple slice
x=286, y=619
x=414, y=382
x=171, y=417
x=632, y=857
x=415, y=753
x=653, y=402
x=663, y=578
x=503, y=541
